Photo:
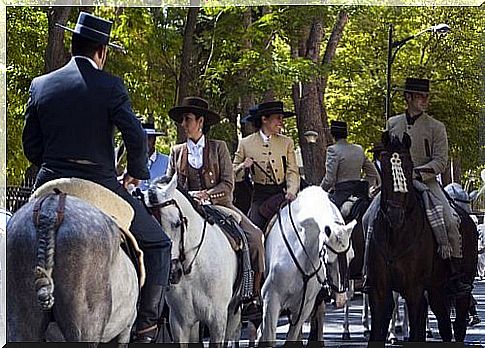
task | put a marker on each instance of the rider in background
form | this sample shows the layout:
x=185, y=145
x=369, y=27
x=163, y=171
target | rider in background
x=344, y=166
x=204, y=167
x=70, y=120
x=271, y=158
x=429, y=152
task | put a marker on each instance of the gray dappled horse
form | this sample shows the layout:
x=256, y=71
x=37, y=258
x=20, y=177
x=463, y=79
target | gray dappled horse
x=305, y=230
x=83, y=280
x=208, y=269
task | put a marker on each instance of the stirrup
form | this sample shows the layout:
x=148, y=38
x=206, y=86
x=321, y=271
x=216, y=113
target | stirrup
x=147, y=335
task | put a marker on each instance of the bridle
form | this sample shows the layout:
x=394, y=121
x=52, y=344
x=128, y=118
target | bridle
x=306, y=277
x=183, y=224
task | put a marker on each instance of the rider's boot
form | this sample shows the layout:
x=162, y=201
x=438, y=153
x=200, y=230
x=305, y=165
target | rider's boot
x=149, y=313
x=456, y=286
x=254, y=310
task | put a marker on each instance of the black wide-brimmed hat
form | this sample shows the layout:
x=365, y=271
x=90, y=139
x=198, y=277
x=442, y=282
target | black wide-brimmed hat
x=338, y=128
x=250, y=116
x=415, y=86
x=149, y=128
x=196, y=106
x=93, y=28
x=378, y=147
x=267, y=109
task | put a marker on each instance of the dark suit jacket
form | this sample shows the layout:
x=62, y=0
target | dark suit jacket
x=217, y=170
x=70, y=121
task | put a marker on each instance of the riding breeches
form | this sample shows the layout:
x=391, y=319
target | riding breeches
x=452, y=219
x=255, y=241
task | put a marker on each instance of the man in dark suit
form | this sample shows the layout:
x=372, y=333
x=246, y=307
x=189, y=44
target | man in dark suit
x=70, y=121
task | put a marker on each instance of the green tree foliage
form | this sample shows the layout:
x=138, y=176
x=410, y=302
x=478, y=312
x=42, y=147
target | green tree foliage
x=224, y=69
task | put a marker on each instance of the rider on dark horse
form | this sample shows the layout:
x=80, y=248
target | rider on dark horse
x=344, y=164
x=70, y=120
x=429, y=152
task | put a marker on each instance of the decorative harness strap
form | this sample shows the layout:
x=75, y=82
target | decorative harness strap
x=397, y=174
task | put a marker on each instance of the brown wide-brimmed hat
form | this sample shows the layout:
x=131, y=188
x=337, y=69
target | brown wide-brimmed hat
x=196, y=106
x=338, y=128
x=272, y=108
x=415, y=86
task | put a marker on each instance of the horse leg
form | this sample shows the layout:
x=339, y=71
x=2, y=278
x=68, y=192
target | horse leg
x=217, y=325
x=316, y=326
x=417, y=307
x=461, y=319
x=439, y=304
x=381, y=307
x=350, y=294
x=181, y=331
x=271, y=313
x=365, y=314
x=405, y=322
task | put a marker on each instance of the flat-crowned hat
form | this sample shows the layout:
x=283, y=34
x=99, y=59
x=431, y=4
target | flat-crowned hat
x=196, y=106
x=251, y=115
x=414, y=85
x=378, y=147
x=338, y=128
x=93, y=28
x=271, y=108
x=149, y=128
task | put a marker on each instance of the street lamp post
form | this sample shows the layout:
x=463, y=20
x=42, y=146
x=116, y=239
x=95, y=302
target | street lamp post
x=311, y=138
x=392, y=49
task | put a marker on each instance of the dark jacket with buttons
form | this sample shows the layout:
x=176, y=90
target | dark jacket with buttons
x=70, y=121
x=217, y=172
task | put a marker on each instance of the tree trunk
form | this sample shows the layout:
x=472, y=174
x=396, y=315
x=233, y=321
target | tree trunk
x=56, y=54
x=309, y=96
x=185, y=71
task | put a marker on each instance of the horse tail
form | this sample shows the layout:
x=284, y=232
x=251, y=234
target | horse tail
x=46, y=225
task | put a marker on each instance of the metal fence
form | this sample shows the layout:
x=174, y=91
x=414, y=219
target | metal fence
x=17, y=196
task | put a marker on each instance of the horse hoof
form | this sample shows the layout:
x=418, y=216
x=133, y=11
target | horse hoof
x=429, y=334
x=393, y=341
x=346, y=336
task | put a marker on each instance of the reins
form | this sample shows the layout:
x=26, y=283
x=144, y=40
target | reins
x=183, y=228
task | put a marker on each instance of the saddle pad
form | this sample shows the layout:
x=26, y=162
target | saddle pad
x=105, y=200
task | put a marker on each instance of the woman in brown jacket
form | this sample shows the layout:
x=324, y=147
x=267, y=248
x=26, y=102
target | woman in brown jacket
x=204, y=167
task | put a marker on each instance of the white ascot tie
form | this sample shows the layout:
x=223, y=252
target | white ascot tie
x=196, y=152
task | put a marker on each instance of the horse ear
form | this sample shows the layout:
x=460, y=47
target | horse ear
x=406, y=140
x=350, y=226
x=172, y=186
x=386, y=139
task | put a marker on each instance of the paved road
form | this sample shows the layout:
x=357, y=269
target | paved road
x=334, y=319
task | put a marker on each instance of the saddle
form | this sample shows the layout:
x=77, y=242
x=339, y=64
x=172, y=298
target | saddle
x=228, y=220
x=110, y=204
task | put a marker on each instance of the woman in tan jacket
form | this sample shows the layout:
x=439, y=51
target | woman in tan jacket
x=270, y=157
x=204, y=165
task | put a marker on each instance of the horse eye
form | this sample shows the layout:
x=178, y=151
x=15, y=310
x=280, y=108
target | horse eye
x=328, y=231
x=177, y=224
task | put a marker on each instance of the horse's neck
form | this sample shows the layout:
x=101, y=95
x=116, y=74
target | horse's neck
x=195, y=222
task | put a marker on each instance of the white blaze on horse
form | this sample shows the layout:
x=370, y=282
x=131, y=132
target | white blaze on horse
x=204, y=294
x=299, y=237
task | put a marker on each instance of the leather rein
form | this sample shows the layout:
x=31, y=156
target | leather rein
x=183, y=225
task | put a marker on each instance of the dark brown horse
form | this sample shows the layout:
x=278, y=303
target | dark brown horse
x=403, y=255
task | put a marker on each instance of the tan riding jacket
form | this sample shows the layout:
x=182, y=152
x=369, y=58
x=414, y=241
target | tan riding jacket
x=277, y=158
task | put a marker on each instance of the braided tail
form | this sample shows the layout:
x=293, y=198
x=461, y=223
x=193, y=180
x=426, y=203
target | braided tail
x=47, y=226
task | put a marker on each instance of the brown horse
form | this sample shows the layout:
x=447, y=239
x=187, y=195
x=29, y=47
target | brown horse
x=403, y=255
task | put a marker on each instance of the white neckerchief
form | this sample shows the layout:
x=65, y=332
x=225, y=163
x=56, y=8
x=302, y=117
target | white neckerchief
x=152, y=159
x=195, y=152
x=265, y=138
x=89, y=60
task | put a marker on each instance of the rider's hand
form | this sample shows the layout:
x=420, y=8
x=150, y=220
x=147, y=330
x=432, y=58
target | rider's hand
x=290, y=196
x=202, y=195
x=128, y=179
x=248, y=162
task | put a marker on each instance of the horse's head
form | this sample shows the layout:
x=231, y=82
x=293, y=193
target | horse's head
x=459, y=196
x=397, y=177
x=163, y=199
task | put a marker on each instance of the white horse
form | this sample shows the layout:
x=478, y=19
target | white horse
x=204, y=294
x=302, y=232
